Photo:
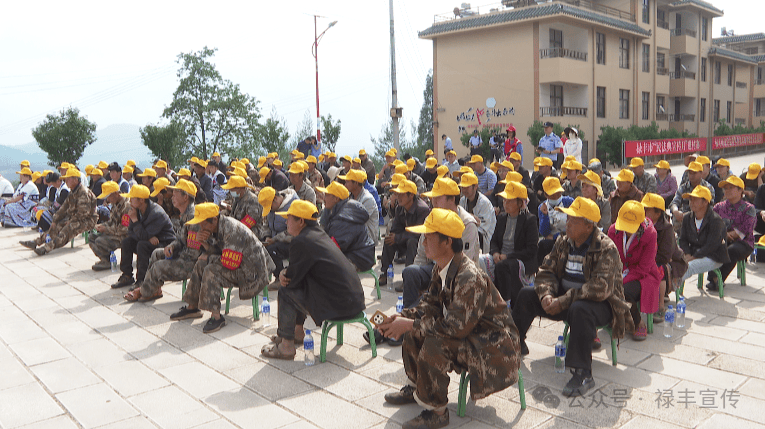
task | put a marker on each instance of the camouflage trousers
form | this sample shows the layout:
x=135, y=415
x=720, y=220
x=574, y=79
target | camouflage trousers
x=163, y=270
x=427, y=362
x=206, y=281
x=62, y=233
x=103, y=245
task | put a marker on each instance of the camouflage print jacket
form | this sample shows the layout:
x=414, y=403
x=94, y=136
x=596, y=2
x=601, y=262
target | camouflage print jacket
x=79, y=209
x=247, y=210
x=118, y=222
x=187, y=247
x=470, y=308
x=603, y=279
x=184, y=217
x=242, y=251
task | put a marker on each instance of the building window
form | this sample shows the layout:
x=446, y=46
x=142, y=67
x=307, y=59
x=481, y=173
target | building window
x=601, y=101
x=646, y=57
x=728, y=109
x=716, y=111
x=703, y=110
x=704, y=25
x=718, y=71
x=661, y=19
x=624, y=53
x=556, y=38
x=600, y=47
x=730, y=74
x=646, y=105
x=624, y=104
x=660, y=108
x=703, y=73
x=660, y=66
x=758, y=106
x=751, y=51
x=556, y=100
x=646, y=12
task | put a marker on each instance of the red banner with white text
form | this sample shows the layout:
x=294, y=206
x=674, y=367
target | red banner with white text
x=722, y=142
x=633, y=148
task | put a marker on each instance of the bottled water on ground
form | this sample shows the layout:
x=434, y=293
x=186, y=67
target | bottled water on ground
x=47, y=238
x=113, y=262
x=265, y=311
x=308, y=348
x=680, y=315
x=390, y=277
x=669, y=320
x=560, y=355
x=400, y=304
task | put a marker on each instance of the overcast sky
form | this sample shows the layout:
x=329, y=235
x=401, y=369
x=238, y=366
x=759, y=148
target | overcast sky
x=117, y=64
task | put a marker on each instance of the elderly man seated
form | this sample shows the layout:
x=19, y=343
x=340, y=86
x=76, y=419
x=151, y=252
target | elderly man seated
x=460, y=324
x=344, y=220
x=580, y=282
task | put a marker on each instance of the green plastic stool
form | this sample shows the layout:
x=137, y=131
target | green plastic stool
x=741, y=272
x=606, y=328
x=720, y=284
x=183, y=289
x=328, y=324
x=465, y=381
x=649, y=319
x=255, y=306
x=377, y=280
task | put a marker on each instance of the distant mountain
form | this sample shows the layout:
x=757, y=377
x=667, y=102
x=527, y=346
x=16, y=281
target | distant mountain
x=118, y=142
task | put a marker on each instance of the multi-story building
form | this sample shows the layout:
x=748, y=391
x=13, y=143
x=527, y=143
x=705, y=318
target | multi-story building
x=589, y=63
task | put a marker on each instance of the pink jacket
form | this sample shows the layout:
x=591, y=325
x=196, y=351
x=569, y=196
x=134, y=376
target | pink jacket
x=641, y=263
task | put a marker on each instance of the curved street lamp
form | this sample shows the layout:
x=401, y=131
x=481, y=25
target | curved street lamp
x=315, y=52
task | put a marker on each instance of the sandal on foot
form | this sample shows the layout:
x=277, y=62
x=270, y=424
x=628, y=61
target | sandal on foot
x=272, y=351
x=133, y=295
x=640, y=334
x=157, y=295
x=277, y=339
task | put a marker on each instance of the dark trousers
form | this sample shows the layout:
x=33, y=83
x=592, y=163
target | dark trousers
x=408, y=247
x=545, y=247
x=508, y=281
x=737, y=251
x=279, y=251
x=632, y=295
x=142, y=250
x=416, y=279
x=759, y=227
x=583, y=318
x=292, y=311
x=475, y=150
x=496, y=153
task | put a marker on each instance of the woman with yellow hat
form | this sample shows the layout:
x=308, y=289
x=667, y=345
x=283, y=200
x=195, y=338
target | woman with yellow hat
x=16, y=211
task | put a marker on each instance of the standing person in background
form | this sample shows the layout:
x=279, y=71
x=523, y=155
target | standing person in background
x=550, y=144
x=447, y=143
x=513, y=145
x=573, y=146
x=475, y=143
x=666, y=183
x=494, y=143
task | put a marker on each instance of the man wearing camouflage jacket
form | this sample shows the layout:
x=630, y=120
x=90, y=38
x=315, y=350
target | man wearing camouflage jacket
x=242, y=204
x=243, y=263
x=109, y=235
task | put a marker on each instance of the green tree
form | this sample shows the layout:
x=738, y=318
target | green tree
x=414, y=146
x=485, y=134
x=212, y=113
x=65, y=136
x=330, y=133
x=611, y=140
x=723, y=129
x=384, y=142
x=274, y=135
x=165, y=142
x=425, y=126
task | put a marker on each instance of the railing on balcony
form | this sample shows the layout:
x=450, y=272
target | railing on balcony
x=605, y=10
x=562, y=53
x=682, y=117
x=682, y=32
x=662, y=116
x=663, y=71
x=759, y=113
x=563, y=111
x=683, y=74
x=506, y=5
x=662, y=24
x=759, y=81
x=740, y=84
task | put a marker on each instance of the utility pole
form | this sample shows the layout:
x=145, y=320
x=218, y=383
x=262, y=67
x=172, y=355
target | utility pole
x=315, y=52
x=395, y=112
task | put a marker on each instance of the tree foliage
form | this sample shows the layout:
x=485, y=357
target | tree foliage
x=65, y=136
x=425, y=126
x=723, y=129
x=611, y=140
x=485, y=134
x=302, y=130
x=274, y=134
x=384, y=142
x=212, y=113
x=165, y=142
x=330, y=133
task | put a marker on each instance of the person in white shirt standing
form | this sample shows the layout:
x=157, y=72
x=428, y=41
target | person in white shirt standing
x=573, y=146
x=6, y=188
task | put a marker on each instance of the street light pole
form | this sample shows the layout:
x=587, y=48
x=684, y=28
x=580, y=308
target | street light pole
x=316, y=60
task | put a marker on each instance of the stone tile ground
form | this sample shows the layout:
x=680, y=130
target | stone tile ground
x=75, y=354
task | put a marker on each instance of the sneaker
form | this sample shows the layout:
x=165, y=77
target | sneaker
x=402, y=397
x=101, y=266
x=124, y=280
x=40, y=251
x=378, y=337
x=524, y=348
x=712, y=287
x=596, y=344
x=214, y=325
x=396, y=342
x=29, y=244
x=399, y=261
x=186, y=313
x=428, y=420
x=399, y=287
x=579, y=384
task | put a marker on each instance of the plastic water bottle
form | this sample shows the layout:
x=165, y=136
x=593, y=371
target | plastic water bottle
x=680, y=321
x=308, y=348
x=560, y=355
x=390, y=276
x=400, y=304
x=265, y=311
x=509, y=306
x=47, y=238
x=669, y=320
x=113, y=261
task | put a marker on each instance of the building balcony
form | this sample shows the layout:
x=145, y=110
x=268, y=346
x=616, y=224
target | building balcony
x=564, y=69
x=662, y=116
x=759, y=90
x=683, y=42
x=683, y=117
x=682, y=32
x=563, y=111
x=662, y=71
x=662, y=24
x=683, y=74
x=759, y=81
x=683, y=84
x=562, y=53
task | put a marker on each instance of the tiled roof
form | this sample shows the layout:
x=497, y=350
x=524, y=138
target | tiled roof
x=732, y=54
x=530, y=13
x=738, y=39
x=699, y=3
